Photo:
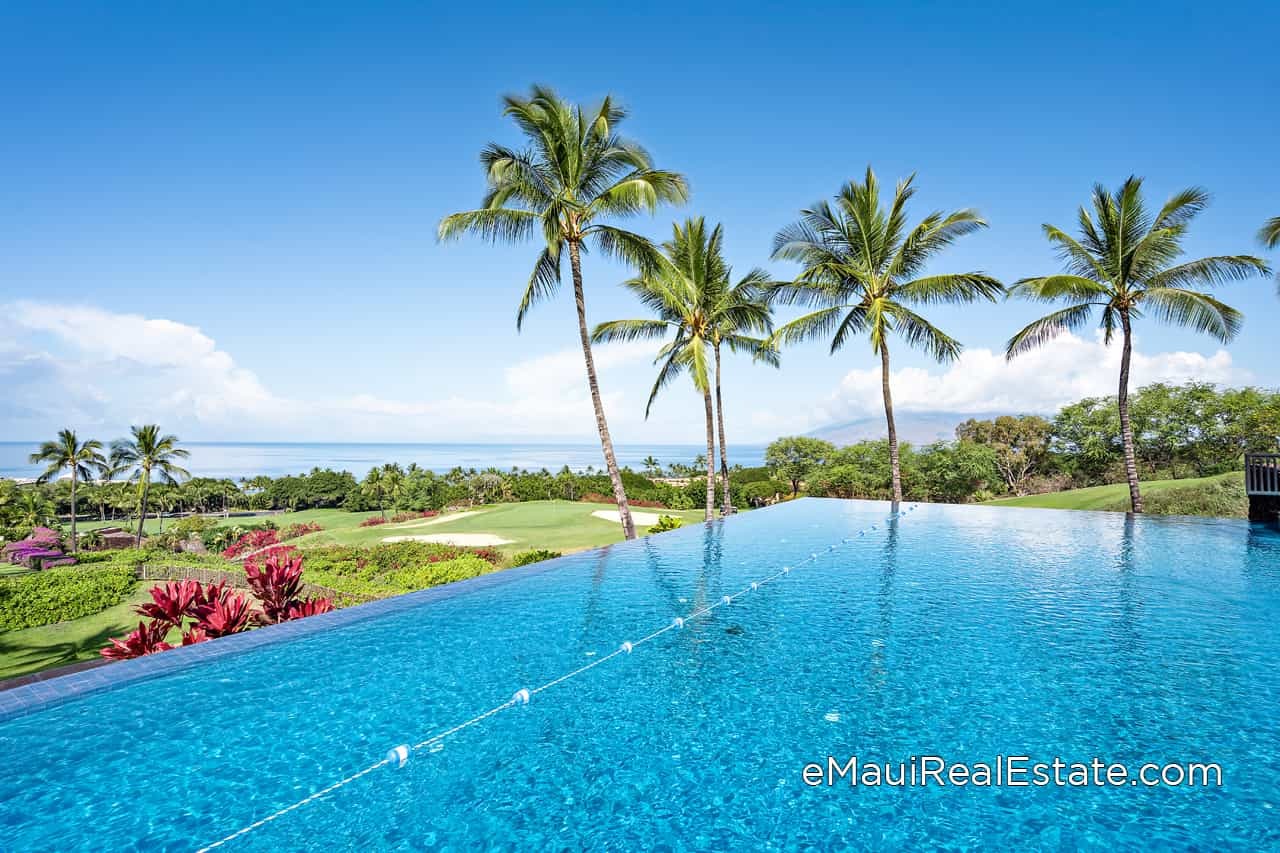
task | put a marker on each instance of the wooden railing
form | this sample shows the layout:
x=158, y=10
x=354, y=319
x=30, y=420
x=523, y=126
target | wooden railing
x=1262, y=473
x=237, y=580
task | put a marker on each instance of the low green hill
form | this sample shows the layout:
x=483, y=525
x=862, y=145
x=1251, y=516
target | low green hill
x=1221, y=495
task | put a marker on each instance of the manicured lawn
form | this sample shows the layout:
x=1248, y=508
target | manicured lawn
x=552, y=525
x=1219, y=495
x=34, y=649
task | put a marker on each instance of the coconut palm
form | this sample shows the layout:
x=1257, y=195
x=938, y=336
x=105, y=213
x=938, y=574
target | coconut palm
x=745, y=309
x=651, y=465
x=690, y=297
x=147, y=453
x=1124, y=264
x=574, y=173
x=33, y=510
x=861, y=273
x=68, y=453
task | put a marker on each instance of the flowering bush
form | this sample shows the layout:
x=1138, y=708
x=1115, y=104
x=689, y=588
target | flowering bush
x=410, y=516
x=293, y=531
x=373, y=521
x=254, y=540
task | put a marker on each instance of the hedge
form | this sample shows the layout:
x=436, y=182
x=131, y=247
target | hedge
x=60, y=594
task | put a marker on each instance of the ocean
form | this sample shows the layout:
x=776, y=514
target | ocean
x=275, y=459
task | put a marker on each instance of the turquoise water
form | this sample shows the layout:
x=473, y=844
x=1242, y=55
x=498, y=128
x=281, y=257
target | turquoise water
x=964, y=632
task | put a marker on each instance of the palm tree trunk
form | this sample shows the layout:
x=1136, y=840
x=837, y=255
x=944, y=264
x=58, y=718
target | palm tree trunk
x=893, y=429
x=711, y=457
x=1126, y=428
x=727, y=501
x=142, y=507
x=73, y=508
x=606, y=442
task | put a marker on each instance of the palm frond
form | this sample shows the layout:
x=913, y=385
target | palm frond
x=630, y=330
x=1040, y=332
x=921, y=334
x=954, y=288
x=1209, y=271
x=498, y=225
x=543, y=282
x=1057, y=288
x=816, y=324
x=1269, y=234
x=626, y=246
x=1199, y=311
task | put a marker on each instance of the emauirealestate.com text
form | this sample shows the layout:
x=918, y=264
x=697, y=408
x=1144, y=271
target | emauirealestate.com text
x=1008, y=771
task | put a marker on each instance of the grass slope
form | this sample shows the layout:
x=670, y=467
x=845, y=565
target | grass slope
x=34, y=649
x=1221, y=495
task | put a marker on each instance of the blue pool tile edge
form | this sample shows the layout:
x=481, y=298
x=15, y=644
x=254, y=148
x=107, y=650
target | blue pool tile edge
x=44, y=694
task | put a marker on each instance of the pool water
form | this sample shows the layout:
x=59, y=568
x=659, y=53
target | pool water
x=962, y=632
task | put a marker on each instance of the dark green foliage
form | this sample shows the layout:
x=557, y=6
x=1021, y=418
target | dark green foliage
x=60, y=594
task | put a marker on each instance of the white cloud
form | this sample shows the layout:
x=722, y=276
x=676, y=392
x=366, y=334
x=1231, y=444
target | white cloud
x=1066, y=369
x=102, y=368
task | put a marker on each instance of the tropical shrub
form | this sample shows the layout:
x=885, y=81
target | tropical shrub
x=277, y=584
x=146, y=639
x=524, y=558
x=60, y=594
x=392, y=568
x=427, y=575
x=254, y=540
x=373, y=521
x=294, y=531
x=410, y=516
x=207, y=611
x=665, y=523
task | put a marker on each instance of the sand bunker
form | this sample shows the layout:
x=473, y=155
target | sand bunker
x=637, y=517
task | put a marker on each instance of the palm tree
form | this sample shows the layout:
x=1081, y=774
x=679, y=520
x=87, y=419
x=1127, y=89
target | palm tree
x=689, y=294
x=148, y=453
x=745, y=309
x=575, y=172
x=651, y=465
x=860, y=272
x=68, y=453
x=33, y=509
x=1124, y=264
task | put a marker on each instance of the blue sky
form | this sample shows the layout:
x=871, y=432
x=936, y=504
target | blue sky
x=222, y=216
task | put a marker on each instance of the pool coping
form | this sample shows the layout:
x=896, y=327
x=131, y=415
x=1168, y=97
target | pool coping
x=56, y=689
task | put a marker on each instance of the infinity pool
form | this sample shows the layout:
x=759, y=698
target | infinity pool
x=961, y=632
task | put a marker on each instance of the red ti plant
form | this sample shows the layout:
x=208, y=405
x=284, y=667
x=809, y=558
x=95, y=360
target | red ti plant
x=308, y=607
x=147, y=639
x=277, y=583
x=173, y=601
x=224, y=612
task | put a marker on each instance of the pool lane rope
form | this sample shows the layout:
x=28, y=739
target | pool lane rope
x=398, y=756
